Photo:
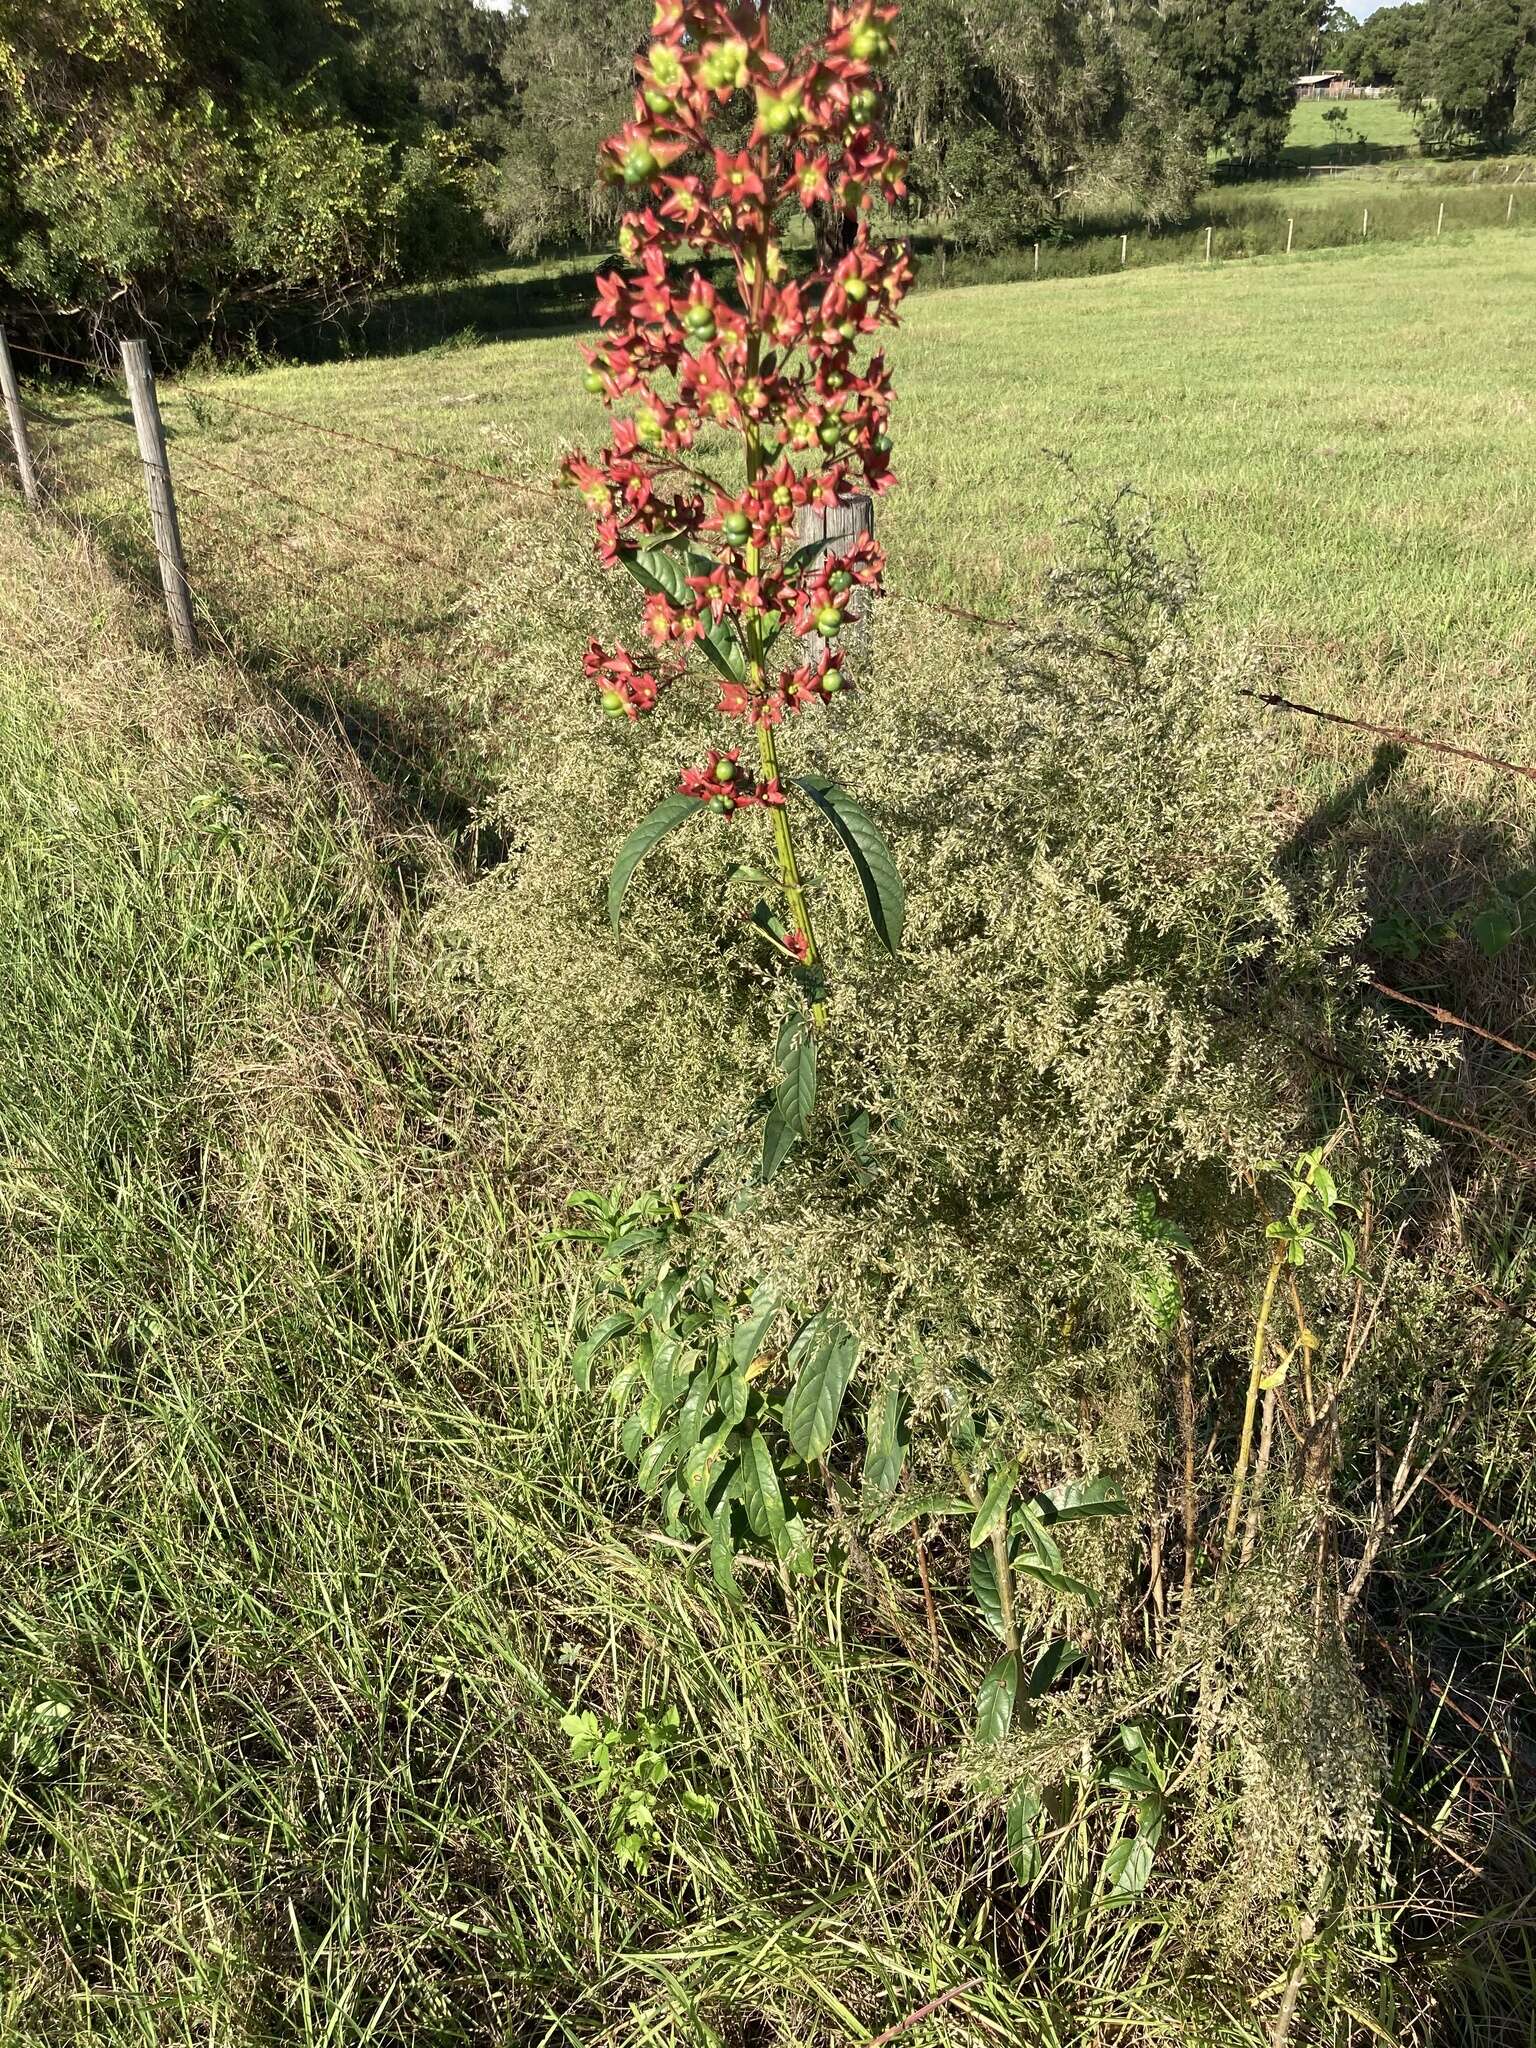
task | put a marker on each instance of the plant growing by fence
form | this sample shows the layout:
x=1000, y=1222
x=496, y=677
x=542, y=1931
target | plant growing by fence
x=771, y=367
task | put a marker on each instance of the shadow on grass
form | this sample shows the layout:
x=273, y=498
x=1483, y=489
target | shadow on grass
x=326, y=675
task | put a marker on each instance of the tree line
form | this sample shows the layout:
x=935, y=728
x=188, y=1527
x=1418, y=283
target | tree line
x=221, y=157
x=1466, y=68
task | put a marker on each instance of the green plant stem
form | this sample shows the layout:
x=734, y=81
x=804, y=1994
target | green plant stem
x=1250, y=1406
x=767, y=747
x=1002, y=1563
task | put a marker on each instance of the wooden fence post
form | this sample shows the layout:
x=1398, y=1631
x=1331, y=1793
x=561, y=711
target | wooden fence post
x=18, y=422
x=1037, y=259
x=162, y=498
x=1440, y=223
x=840, y=526
x=1123, y=241
x=1365, y=224
x=1290, y=229
x=1207, y=245
x=1509, y=211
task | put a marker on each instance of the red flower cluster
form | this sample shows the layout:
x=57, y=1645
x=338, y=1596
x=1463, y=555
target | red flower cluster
x=719, y=784
x=774, y=362
x=627, y=691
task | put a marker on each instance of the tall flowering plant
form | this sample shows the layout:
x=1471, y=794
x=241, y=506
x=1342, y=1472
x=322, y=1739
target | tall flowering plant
x=736, y=405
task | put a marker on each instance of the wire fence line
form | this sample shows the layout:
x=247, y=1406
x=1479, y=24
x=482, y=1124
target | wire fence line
x=379, y=555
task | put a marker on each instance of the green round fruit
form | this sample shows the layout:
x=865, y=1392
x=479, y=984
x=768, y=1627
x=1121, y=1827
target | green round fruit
x=847, y=329
x=722, y=806
x=640, y=164
x=829, y=433
x=737, y=528
x=840, y=580
x=856, y=289
x=867, y=44
x=613, y=704
x=864, y=103
x=832, y=681
x=658, y=102
x=725, y=771
x=829, y=620
x=593, y=381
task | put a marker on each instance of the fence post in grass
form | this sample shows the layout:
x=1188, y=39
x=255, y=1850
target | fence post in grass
x=840, y=526
x=1123, y=241
x=162, y=497
x=1290, y=229
x=25, y=468
x=1440, y=222
x=1365, y=224
x=1509, y=211
x=1207, y=245
x=1037, y=259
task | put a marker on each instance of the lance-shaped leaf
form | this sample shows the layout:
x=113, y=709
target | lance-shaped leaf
x=816, y=1399
x=994, y=1507
x=666, y=817
x=794, y=1096
x=994, y=1703
x=886, y=1447
x=884, y=895
x=613, y=1326
x=659, y=570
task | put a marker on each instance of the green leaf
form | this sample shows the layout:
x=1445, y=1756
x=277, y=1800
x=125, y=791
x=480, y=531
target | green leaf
x=1494, y=930
x=994, y=1703
x=747, y=1336
x=816, y=1399
x=1079, y=1500
x=760, y=1492
x=618, y=1325
x=666, y=817
x=794, y=1096
x=1057, y=1657
x=911, y=1505
x=1127, y=1868
x=876, y=869
x=984, y=1588
x=694, y=1413
x=994, y=1507
x=1023, y=1823
x=1030, y=1522
x=886, y=1442
x=1059, y=1582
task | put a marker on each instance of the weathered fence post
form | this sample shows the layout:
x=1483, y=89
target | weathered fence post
x=1290, y=229
x=1509, y=211
x=1207, y=245
x=840, y=526
x=1440, y=223
x=18, y=422
x=1122, y=251
x=1037, y=259
x=1365, y=224
x=162, y=498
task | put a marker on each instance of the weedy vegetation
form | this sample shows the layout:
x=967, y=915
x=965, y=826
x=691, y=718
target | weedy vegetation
x=499, y=1546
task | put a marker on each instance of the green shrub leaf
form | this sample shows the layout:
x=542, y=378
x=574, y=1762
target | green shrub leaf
x=876, y=869
x=886, y=1451
x=794, y=1096
x=586, y=1351
x=1080, y=1499
x=994, y=1703
x=816, y=1399
x=995, y=1506
x=666, y=817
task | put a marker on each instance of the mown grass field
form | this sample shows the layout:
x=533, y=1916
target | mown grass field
x=308, y=1541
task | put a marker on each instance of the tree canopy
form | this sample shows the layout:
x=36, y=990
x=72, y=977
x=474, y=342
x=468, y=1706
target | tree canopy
x=1236, y=62
x=1471, y=72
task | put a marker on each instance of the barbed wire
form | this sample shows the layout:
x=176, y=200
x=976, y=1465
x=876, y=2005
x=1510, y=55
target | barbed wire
x=445, y=462
x=1444, y=1016
x=370, y=535
x=1398, y=734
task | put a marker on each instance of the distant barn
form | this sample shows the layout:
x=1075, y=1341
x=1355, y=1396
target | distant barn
x=1323, y=85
